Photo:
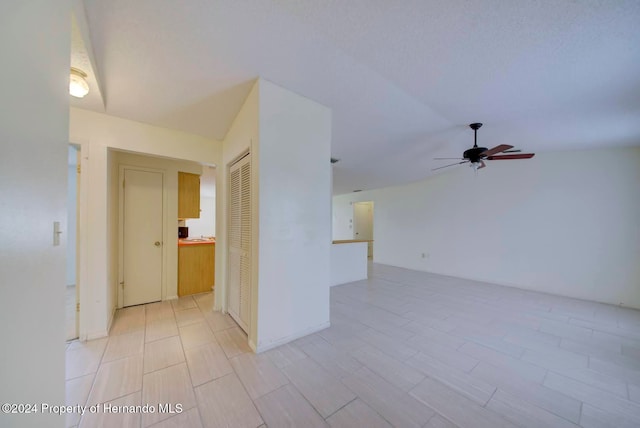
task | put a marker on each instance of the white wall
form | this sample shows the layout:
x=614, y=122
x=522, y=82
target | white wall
x=97, y=133
x=34, y=109
x=566, y=223
x=348, y=262
x=295, y=215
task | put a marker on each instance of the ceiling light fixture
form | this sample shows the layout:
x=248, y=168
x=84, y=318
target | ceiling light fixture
x=78, y=86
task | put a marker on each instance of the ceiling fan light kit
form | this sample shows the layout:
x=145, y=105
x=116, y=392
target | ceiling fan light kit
x=476, y=156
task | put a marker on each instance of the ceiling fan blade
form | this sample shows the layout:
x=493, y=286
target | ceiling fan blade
x=496, y=149
x=448, y=158
x=482, y=165
x=458, y=163
x=509, y=157
x=512, y=151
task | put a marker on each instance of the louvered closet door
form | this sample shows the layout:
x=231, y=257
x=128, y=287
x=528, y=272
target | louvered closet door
x=239, y=275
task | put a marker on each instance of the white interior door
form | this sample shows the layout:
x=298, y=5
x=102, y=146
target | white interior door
x=362, y=220
x=142, y=217
x=239, y=236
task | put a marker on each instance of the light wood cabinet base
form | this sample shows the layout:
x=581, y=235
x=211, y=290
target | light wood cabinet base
x=196, y=268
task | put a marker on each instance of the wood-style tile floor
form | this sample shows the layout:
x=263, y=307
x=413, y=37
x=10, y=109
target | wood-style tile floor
x=405, y=349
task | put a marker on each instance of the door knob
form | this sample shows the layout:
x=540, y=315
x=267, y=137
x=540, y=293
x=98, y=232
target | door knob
x=157, y=243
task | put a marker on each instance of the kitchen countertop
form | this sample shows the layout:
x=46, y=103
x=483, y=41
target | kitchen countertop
x=196, y=241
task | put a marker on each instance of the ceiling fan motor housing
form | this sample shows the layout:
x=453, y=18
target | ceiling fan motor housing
x=474, y=153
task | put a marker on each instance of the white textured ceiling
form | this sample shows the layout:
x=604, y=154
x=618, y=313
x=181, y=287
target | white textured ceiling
x=81, y=59
x=403, y=78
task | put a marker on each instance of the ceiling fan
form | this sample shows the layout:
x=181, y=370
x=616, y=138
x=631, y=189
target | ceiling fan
x=476, y=156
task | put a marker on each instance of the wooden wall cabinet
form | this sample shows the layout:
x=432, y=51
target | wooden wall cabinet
x=188, y=195
x=196, y=268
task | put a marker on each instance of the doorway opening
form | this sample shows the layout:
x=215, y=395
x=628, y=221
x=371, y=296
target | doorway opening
x=72, y=307
x=363, y=224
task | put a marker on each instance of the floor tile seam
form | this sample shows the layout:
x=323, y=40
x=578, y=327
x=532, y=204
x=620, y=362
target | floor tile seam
x=442, y=380
x=460, y=394
x=175, y=311
x=521, y=397
x=166, y=367
x=236, y=373
x=509, y=339
x=253, y=400
x=633, y=338
x=152, y=320
x=184, y=353
x=551, y=412
x=86, y=400
x=103, y=361
x=394, y=358
x=82, y=375
x=470, y=338
x=205, y=322
x=382, y=374
x=161, y=338
x=255, y=405
x=337, y=410
x=624, y=416
x=207, y=381
x=133, y=330
x=593, y=322
x=495, y=389
x=626, y=384
x=190, y=322
x=118, y=397
x=104, y=351
x=432, y=409
x=331, y=377
x=562, y=350
x=600, y=390
x=160, y=321
x=385, y=310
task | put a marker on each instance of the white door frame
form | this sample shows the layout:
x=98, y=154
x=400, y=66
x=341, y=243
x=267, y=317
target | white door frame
x=82, y=258
x=165, y=240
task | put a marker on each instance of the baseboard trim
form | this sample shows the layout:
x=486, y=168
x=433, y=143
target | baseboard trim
x=97, y=335
x=174, y=297
x=278, y=342
x=522, y=287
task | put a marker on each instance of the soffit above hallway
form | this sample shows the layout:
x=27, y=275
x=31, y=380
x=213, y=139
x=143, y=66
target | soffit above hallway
x=82, y=59
x=404, y=79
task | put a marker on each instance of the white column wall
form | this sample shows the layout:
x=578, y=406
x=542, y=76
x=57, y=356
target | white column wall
x=242, y=137
x=295, y=216
x=34, y=112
